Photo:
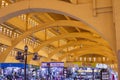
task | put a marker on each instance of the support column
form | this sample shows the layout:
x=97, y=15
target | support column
x=116, y=16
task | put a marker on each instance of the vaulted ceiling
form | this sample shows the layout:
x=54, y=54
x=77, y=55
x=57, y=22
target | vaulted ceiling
x=59, y=36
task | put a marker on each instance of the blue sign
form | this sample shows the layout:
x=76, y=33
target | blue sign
x=5, y=65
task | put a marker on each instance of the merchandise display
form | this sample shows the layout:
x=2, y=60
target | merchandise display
x=105, y=74
x=55, y=71
x=113, y=75
x=52, y=70
x=10, y=71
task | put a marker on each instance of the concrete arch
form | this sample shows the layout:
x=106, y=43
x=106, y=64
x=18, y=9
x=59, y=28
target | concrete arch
x=67, y=9
x=92, y=44
x=71, y=35
x=95, y=52
x=90, y=50
x=41, y=27
x=98, y=49
x=72, y=43
x=102, y=49
x=36, y=6
x=87, y=53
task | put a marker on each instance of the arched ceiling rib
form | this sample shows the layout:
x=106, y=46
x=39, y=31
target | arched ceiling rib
x=111, y=58
x=94, y=47
x=41, y=27
x=37, y=6
x=84, y=53
x=99, y=50
x=89, y=50
x=73, y=43
x=71, y=35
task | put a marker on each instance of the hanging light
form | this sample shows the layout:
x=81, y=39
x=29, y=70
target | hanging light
x=26, y=48
x=18, y=56
x=36, y=56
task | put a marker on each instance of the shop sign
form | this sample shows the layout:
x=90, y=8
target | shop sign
x=53, y=64
x=44, y=64
x=56, y=64
x=101, y=65
x=88, y=64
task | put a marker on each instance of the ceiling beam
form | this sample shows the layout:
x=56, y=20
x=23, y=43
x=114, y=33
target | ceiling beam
x=90, y=50
x=71, y=35
x=75, y=27
x=41, y=27
x=73, y=43
x=59, y=27
x=95, y=49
